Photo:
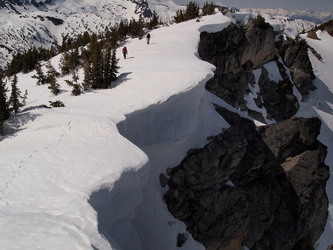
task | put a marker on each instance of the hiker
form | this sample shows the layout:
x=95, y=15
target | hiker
x=148, y=38
x=124, y=52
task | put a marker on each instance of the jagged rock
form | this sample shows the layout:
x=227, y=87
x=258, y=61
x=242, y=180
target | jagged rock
x=260, y=45
x=237, y=47
x=163, y=180
x=231, y=88
x=277, y=98
x=259, y=187
x=236, y=51
x=295, y=56
x=181, y=239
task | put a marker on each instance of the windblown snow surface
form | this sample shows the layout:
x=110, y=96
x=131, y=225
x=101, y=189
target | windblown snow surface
x=85, y=176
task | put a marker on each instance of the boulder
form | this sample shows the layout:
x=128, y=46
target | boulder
x=263, y=188
x=295, y=56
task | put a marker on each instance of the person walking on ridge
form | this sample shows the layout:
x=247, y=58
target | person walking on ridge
x=125, y=52
x=148, y=38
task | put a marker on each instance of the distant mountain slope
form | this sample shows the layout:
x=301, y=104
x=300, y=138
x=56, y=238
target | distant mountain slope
x=43, y=23
x=313, y=16
x=29, y=23
x=289, y=27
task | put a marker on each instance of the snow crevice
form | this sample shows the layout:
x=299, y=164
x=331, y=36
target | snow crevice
x=134, y=208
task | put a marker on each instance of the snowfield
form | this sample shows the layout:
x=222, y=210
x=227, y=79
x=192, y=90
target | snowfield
x=86, y=176
x=60, y=163
x=320, y=104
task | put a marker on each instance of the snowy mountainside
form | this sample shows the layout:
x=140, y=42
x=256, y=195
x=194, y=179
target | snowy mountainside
x=86, y=176
x=317, y=17
x=25, y=24
x=59, y=159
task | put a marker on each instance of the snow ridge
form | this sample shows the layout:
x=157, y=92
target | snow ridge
x=86, y=176
x=62, y=158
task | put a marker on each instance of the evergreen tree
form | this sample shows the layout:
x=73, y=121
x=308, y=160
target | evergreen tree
x=87, y=81
x=15, y=96
x=111, y=67
x=51, y=79
x=208, y=9
x=122, y=30
x=96, y=63
x=69, y=61
x=4, y=111
x=153, y=22
x=25, y=97
x=107, y=68
x=112, y=37
x=15, y=65
x=77, y=89
x=41, y=78
x=179, y=17
x=114, y=66
x=260, y=22
x=192, y=11
x=135, y=28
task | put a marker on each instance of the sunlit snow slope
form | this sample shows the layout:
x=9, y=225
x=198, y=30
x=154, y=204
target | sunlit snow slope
x=320, y=104
x=86, y=176
x=61, y=161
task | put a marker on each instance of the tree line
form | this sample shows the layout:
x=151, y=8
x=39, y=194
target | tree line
x=193, y=11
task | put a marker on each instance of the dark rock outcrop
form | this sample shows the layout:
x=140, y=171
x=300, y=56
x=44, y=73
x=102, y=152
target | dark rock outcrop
x=277, y=98
x=238, y=50
x=295, y=56
x=263, y=188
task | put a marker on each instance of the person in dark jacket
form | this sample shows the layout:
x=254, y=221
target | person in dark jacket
x=148, y=38
x=125, y=52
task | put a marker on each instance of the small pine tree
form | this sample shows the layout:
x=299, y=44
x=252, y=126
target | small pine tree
x=77, y=89
x=64, y=63
x=4, y=111
x=122, y=29
x=15, y=97
x=114, y=65
x=69, y=61
x=51, y=79
x=179, y=17
x=153, y=22
x=25, y=97
x=41, y=79
x=112, y=37
x=260, y=22
x=87, y=81
x=107, y=67
x=192, y=10
x=96, y=64
x=208, y=9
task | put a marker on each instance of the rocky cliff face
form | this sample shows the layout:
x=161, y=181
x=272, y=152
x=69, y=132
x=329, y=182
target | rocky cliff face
x=237, y=51
x=263, y=188
x=259, y=187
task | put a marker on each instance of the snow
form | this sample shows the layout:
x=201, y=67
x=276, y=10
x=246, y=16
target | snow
x=86, y=176
x=320, y=104
x=289, y=27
